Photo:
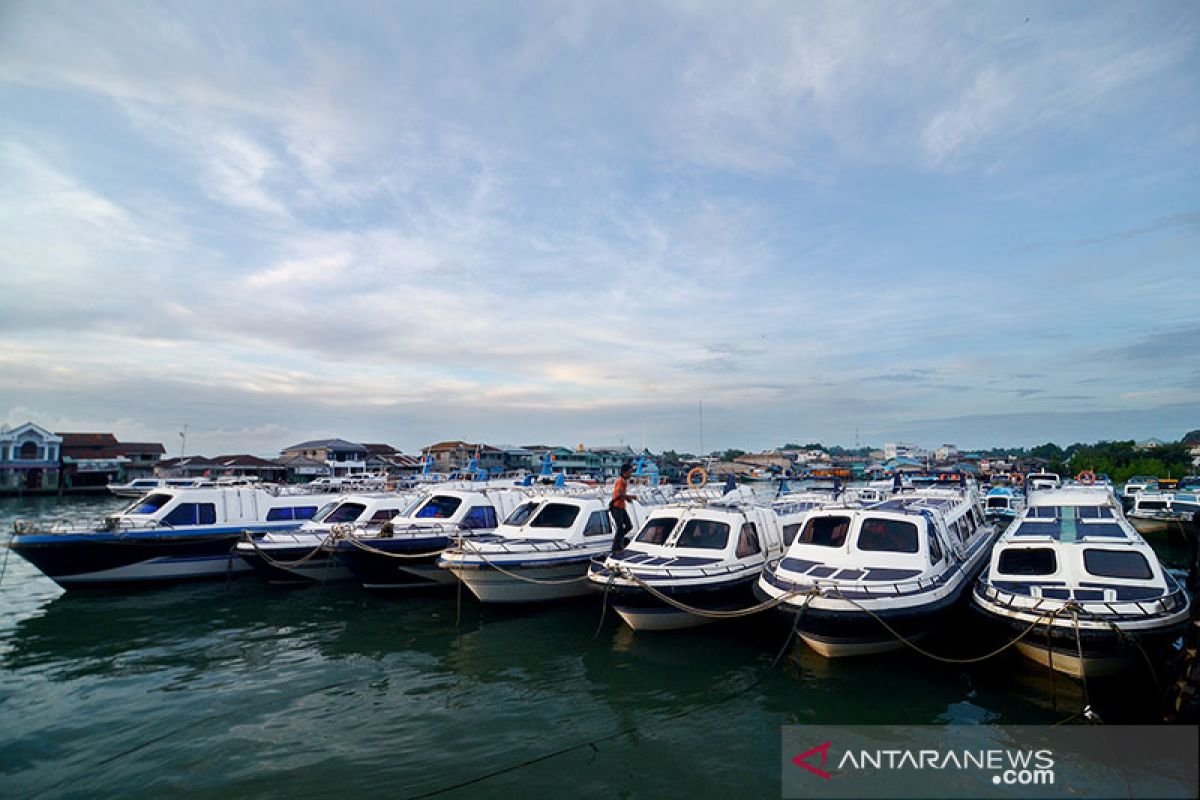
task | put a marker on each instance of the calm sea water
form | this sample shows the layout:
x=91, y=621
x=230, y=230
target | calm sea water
x=238, y=689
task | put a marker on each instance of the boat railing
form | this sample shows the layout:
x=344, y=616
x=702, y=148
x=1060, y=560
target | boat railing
x=1151, y=607
x=76, y=525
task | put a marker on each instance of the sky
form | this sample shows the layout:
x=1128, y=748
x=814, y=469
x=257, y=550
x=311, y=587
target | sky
x=681, y=225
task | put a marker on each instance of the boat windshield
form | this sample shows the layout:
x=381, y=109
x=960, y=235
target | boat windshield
x=149, y=504
x=323, y=510
x=521, y=514
x=555, y=515
x=439, y=506
x=1028, y=561
x=346, y=512
x=825, y=531
x=1117, y=564
x=657, y=530
x=703, y=533
x=888, y=535
x=1000, y=501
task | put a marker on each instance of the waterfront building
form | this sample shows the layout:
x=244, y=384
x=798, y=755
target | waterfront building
x=456, y=455
x=342, y=457
x=184, y=467
x=91, y=459
x=29, y=457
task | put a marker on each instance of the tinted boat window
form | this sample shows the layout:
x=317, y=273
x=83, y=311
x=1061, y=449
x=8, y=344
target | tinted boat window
x=150, y=504
x=789, y=533
x=480, y=517
x=598, y=524
x=657, y=530
x=192, y=514
x=521, y=514
x=703, y=533
x=825, y=531
x=324, y=510
x=748, y=541
x=555, y=515
x=1029, y=561
x=1116, y=564
x=346, y=512
x=888, y=535
x=439, y=507
x=383, y=515
x=1151, y=505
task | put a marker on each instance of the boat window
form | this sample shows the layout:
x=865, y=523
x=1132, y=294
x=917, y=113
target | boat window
x=521, y=514
x=144, y=484
x=789, y=533
x=150, y=503
x=1151, y=505
x=657, y=530
x=346, y=512
x=1028, y=561
x=703, y=533
x=888, y=535
x=1116, y=564
x=956, y=530
x=825, y=531
x=555, y=515
x=278, y=514
x=439, y=506
x=323, y=510
x=997, y=502
x=383, y=515
x=192, y=514
x=977, y=515
x=480, y=517
x=748, y=541
x=598, y=524
x=935, y=549
x=304, y=512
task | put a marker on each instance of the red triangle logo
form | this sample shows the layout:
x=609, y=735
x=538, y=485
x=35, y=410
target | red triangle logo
x=823, y=749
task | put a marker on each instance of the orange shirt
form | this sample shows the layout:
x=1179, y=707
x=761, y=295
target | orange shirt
x=619, y=490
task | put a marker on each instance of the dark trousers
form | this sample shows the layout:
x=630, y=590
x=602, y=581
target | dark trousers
x=622, y=525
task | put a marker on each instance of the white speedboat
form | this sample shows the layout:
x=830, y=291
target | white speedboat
x=167, y=535
x=858, y=577
x=1155, y=512
x=299, y=555
x=1136, y=484
x=701, y=555
x=542, y=551
x=403, y=553
x=1040, y=481
x=1003, y=503
x=1075, y=569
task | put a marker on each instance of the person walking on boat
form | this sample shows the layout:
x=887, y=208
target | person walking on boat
x=616, y=508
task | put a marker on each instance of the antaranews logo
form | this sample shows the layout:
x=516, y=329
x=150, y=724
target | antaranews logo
x=1004, y=766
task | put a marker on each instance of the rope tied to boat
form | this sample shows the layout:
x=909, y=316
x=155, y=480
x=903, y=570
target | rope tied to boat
x=944, y=659
x=766, y=605
x=472, y=548
x=275, y=562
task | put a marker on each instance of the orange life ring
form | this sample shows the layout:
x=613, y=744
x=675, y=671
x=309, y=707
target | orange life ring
x=1016, y=479
x=697, y=472
x=1087, y=477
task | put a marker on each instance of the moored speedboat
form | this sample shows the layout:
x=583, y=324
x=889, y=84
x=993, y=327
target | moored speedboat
x=168, y=535
x=1155, y=512
x=1003, y=503
x=403, y=553
x=1074, y=569
x=299, y=555
x=1136, y=484
x=857, y=577
x=705, y=556
x=541, y=552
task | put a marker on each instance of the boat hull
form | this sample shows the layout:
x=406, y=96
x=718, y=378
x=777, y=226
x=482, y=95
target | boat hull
x=1089, y=650
x=390, y=564
x=281, y=565
x=642, y=611
x=492, y=586
x=104, y=561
